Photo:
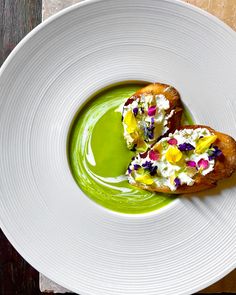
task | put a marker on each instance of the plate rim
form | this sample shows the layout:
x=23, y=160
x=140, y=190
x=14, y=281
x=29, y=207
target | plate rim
x=11, y=57
x=64, y=11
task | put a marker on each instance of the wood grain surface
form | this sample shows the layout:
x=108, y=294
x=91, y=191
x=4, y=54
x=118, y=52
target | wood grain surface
x=223, y=9
x=16, y=275
x=17, y=18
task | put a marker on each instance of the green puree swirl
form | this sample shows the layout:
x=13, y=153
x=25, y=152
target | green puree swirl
x=98, y=155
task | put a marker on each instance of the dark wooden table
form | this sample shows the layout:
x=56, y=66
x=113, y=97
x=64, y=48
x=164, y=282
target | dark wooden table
x=17, y=18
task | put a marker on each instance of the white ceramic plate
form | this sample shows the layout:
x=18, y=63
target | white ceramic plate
x=179, y=249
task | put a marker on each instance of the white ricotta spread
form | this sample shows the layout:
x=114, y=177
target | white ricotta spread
x=149, y=112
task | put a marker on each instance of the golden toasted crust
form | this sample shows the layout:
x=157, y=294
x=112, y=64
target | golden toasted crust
x=225, y=166
x=174, y=99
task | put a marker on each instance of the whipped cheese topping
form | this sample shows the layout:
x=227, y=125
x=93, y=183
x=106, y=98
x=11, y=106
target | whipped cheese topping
x=145, y=118
x=176, y=160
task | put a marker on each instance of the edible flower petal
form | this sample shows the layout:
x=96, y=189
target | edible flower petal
x=129, y=101
x=143, y=155
x=141, y=145
x=151, y=135
x=191, y=164
x=177, y=182
x=172, y=178
x=153, y=155
x=130, y=121
x=145, y=178
x=158, y=147
x=149, y=166
x=136, y=166
x=183, y=147
x=135, y=135
x=153, y=170
x=204, y=143
x=173, y=155
x=172, y=141
x=152, y=111
x=202, y=163
x=129, y=170
x=135, y=111
x=214, y=153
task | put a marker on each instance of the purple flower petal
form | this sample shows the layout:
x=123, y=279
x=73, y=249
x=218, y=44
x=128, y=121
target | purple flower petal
x=153, y=170
x=135, y=111
x=152, y=111
x=218, y=153
x=149, y=166
x=151, y=135
x=150, y=131
x=185, y=147
x=136, y=166
x=177, y=182
x=191, y=164
x=213, y=154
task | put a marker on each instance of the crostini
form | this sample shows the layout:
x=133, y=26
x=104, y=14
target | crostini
x=191, y=159
x=150, y=113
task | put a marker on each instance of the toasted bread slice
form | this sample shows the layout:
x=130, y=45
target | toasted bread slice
x=150, y=113
x=225, y=165
x=219, y=159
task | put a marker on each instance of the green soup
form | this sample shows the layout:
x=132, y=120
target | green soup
x=98, y=155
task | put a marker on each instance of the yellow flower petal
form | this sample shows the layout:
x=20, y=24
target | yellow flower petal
x=135, y=135
x=158, y=147
x=204, y=143
x=173, y=155
x=145, y=178
x=172, y=179
x=130, y=121
x=141, y=145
